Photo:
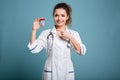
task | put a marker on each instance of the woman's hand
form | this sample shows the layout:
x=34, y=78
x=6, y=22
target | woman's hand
x=36, y=24
x=64, y=34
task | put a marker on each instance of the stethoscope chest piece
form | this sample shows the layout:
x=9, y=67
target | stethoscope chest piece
x=68, y=44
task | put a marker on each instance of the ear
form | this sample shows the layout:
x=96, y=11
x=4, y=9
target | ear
x=67, y=17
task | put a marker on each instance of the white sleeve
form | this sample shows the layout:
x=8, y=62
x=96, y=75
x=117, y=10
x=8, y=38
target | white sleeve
x=38, y=44
x=82, y=46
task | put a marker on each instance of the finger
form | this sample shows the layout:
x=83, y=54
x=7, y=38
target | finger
x=62, y=32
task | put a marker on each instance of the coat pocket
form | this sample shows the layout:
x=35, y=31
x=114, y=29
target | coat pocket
x=47, y=74
x=71, y=75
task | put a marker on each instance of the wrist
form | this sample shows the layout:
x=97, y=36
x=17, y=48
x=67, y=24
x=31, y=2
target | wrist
x=34, y=29
x=70, y=37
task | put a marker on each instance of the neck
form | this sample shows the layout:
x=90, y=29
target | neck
x=61, y=28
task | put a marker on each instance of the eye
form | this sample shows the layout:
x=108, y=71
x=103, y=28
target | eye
x=63, y=15
x=55, y=15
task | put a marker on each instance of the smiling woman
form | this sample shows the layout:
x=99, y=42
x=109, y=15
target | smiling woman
x=58, y=43
x=60, y=17
x=67, y=10
x=97, y=21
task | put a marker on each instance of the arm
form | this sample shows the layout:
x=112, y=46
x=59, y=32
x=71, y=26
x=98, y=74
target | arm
x=75, y=40
x=75, y=43
x=35, y=27
x=33, y=36
x=36, y=45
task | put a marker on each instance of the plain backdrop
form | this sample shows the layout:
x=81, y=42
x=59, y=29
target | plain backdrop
x=97, y=21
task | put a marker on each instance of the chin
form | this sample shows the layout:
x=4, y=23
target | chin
x=59, y=24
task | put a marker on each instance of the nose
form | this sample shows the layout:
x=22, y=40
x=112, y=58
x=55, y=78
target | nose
x=59, y=17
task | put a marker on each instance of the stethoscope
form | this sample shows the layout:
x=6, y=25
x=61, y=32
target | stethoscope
x=52, y=37
x=50, y=40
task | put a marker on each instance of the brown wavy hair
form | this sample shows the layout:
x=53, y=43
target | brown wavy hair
x=68, y=10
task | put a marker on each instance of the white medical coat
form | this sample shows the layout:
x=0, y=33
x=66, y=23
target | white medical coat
x=58, y=65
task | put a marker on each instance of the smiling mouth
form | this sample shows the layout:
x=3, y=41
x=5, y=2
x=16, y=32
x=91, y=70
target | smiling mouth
x=59, y=22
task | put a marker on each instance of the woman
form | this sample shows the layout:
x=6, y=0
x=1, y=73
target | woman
x=58, y=43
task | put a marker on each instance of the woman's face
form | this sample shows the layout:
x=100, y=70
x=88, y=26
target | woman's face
x=60, y=17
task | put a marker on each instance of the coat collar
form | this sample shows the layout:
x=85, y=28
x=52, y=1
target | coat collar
x=53, y=30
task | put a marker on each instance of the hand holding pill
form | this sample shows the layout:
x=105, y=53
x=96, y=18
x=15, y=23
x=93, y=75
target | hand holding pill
x=38, y=23
x=42, y=21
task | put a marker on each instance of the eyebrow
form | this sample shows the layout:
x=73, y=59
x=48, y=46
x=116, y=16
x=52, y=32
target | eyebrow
x=59, y=14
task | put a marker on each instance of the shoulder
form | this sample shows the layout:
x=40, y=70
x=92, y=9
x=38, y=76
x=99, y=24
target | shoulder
x=73, y=31
x=45, y=32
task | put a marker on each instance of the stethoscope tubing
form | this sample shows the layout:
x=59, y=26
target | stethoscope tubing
x=50, y=47
x=51, y=34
